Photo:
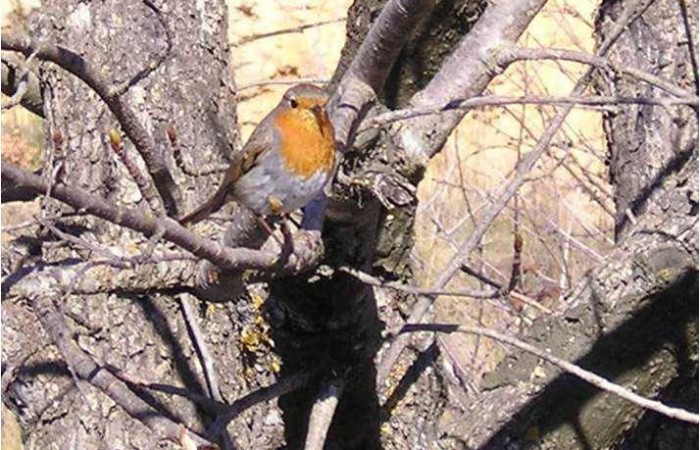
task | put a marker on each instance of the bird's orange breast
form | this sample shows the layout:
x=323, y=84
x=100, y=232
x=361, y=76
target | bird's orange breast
x=306, y=141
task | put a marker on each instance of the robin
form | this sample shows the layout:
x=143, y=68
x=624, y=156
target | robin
x=285, y=163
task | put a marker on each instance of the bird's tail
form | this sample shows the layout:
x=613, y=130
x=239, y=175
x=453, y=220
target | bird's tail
x=209, y=207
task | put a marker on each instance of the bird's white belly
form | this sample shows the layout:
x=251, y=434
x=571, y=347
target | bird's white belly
x=267, y=184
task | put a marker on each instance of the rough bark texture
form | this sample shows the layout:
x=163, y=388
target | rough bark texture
x=649, y=145
x=633, y=319
x=143, y=336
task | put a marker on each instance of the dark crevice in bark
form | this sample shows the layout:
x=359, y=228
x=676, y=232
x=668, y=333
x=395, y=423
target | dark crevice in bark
x=660, y=326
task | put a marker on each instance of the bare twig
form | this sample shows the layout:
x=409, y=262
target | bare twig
x=200, y=344
x=322, y=414
x=38, y=221
x=284, y=386
x=297, y=29
x=691, y=44
x=589, y=377
x=285, y=81
x=144, y=183
x=180, y=161
x=508, y=56
x=373, y=281
x=12, y=68
x=498, y=100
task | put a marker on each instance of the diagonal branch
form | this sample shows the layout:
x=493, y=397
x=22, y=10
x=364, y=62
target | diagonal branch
x=85, y=368
x=32, y=98
x=525, y=165
x=589, y=377
x=322, y=414
x=306, y=253
x=284, y=386
x=124, y=114
x=466, y=73
x=371, y=66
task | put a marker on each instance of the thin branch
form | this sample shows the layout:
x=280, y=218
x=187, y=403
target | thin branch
x=202, y=349
x=585, y=375
x=499, y=100
x=486, y=294
x=691, y=44
x=200, y=400
x=376, y=282
x=508, y=56
x=297, y=29
x=322, y=414
x=282, y=81
x=306, y=252
x=32, y=98
x=144, y=183
x=180, y=161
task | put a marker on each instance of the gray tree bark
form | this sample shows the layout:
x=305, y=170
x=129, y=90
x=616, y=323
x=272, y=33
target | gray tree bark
x=140, y=336
x=633, y=319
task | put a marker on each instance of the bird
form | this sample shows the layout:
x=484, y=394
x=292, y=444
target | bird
x=285, y=163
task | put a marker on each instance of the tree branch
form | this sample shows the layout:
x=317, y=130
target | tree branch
x=585, y=375
x=126, y=117
x=525, y=165
x=322, y=414
x=85, y=368
x=499, y=100
x=466, y=73
x=371, y=66
x=32, y=98
x=306, y=252
x=284, y=386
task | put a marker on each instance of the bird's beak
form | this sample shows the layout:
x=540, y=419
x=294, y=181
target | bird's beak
x=318, y=111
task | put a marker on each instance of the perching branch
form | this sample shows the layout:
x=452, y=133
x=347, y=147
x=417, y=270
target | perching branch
x=306, y=252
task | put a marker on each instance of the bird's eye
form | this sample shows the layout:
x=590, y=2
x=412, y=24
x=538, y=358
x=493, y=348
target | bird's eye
x=293, y=103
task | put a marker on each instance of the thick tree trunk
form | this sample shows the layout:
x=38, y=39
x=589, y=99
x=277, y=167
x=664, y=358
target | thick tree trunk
x=144, y=336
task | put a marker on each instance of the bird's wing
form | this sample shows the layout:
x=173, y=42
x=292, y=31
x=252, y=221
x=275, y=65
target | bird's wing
x=261, y=139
